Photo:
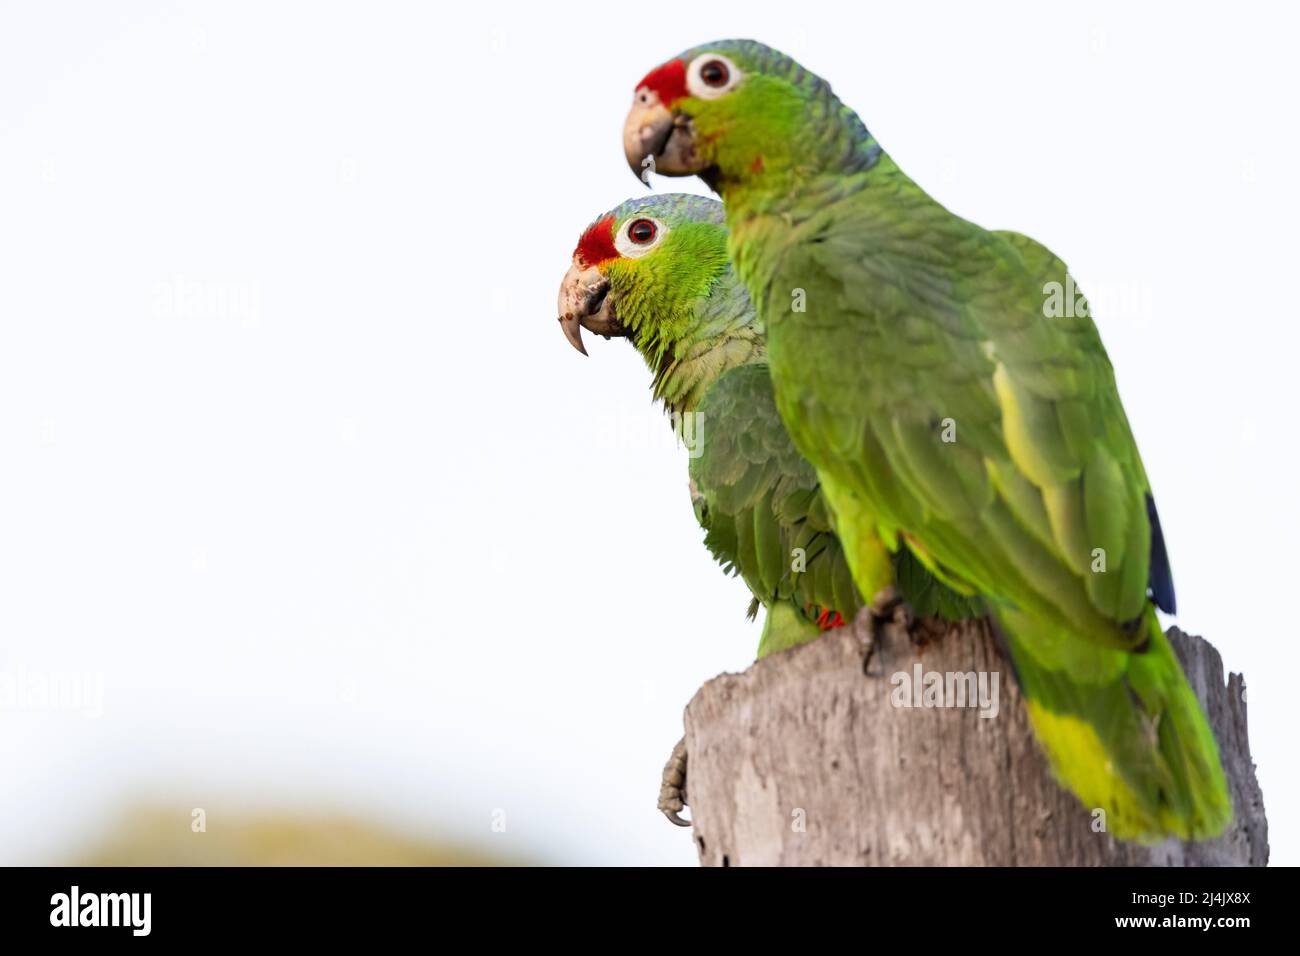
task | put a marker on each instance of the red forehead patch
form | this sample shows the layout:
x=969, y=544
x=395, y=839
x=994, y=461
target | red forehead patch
x=597, y=243
x=669, y=81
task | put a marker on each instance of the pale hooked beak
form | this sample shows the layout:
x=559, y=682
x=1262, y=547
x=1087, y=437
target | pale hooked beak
x=584, y=303
x=656, y=139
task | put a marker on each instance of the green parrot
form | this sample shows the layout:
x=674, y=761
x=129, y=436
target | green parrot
x=954, y=397
x=655, y=270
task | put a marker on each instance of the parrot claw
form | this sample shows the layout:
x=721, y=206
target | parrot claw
x=672, y=790
x=887, y=619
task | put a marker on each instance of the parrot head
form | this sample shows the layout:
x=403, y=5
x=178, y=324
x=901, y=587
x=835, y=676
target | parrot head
x=655, y=270
x=641, y=269
x=736, y=111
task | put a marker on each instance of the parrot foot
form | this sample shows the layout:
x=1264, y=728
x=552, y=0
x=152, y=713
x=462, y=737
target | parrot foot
x=887, y=619
x=672, y=790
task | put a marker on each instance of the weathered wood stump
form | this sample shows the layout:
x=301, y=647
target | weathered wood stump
x=804, y=760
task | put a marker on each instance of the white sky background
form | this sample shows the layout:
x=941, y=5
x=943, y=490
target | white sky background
x=357, y=528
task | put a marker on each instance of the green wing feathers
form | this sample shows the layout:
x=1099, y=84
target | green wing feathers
x=988, y=434
x=759, y=505
x=765, y=517
x=1119, y=722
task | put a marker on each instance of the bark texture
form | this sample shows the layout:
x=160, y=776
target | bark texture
x=804, y=760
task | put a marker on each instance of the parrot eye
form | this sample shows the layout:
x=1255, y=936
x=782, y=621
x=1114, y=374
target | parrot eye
x=715, y=73
x=638, y=236
x=641, y=231
x=710, y=75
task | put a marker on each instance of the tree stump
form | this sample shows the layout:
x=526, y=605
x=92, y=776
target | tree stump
x=803, y=760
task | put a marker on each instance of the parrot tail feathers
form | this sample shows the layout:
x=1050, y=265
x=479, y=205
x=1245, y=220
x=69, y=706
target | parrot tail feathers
x=1127, y=736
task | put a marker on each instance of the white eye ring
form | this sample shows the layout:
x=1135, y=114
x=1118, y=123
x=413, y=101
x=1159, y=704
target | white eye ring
x=695, y=81
x=630, y=248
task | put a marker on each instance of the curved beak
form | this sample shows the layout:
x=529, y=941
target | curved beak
x=585, y=303
x=657, y=139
